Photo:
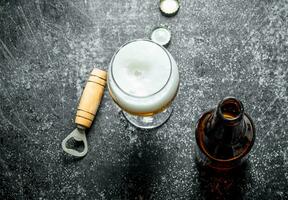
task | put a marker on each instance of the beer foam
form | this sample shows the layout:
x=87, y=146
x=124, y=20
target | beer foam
x=143, y=77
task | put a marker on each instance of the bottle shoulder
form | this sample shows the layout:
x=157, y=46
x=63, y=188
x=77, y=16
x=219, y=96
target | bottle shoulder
x=219, y=151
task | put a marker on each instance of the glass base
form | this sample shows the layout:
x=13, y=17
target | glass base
x=151, y=121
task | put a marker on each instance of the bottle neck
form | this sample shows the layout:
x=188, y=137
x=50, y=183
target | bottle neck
x=226, y=126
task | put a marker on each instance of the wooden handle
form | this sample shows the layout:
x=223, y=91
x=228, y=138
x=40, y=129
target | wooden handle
x=91, y=98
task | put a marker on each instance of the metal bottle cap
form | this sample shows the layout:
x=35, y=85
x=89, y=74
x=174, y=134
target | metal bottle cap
x=169, y=7
x=161, y=35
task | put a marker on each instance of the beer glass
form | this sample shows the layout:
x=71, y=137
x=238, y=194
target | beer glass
x=143, y=81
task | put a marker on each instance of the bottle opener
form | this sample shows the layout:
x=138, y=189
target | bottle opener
x=86, y=111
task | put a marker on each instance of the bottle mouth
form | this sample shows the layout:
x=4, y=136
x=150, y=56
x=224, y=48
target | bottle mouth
x=231, y=109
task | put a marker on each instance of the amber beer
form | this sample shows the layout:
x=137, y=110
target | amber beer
x=143, y=80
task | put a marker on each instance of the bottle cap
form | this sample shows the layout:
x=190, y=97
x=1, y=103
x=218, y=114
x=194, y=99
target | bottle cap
x=169, y=7
x=161, y=35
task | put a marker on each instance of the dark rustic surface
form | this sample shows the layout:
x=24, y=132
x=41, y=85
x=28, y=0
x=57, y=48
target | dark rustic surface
x=47, y=49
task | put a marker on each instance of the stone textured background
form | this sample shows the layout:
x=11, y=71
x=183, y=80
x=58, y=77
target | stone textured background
x=225, y=47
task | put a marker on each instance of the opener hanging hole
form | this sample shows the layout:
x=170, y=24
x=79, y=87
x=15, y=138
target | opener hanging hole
x=74, y=144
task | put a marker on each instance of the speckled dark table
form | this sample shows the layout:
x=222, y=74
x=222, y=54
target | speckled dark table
x=48, y=48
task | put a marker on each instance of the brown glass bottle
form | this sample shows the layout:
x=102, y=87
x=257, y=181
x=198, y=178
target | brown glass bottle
x=224, y=135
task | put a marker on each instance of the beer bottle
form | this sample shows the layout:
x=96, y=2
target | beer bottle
x=224, y=135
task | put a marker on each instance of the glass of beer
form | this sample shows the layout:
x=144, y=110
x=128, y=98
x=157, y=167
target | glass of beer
x=143, y=81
